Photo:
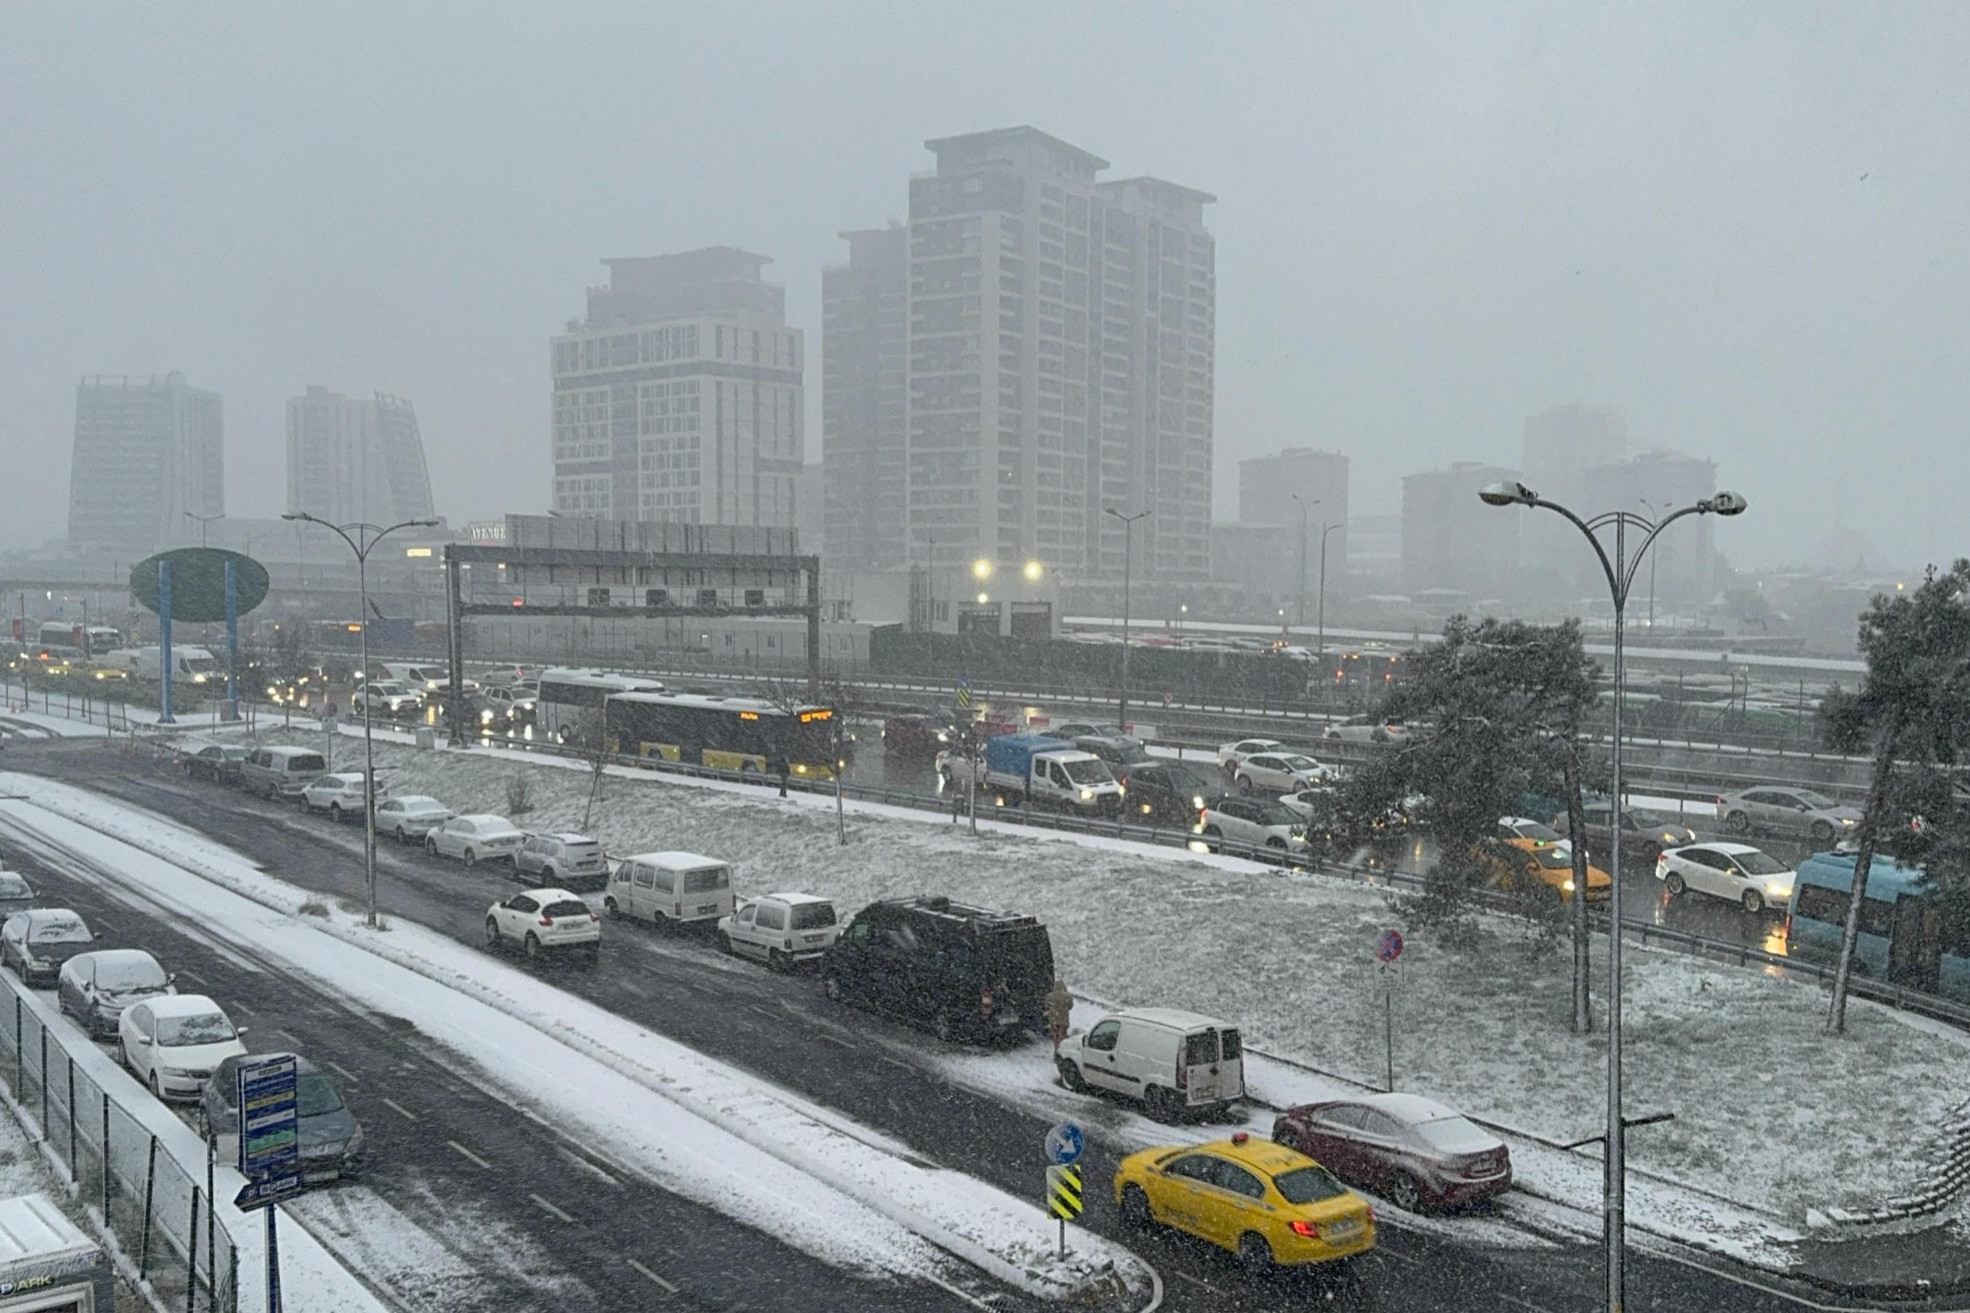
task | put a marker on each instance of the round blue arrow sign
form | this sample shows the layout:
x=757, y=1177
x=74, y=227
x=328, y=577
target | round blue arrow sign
x=1064, y=1144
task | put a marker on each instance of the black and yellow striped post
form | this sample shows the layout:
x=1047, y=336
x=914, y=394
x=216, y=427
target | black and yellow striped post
x=1064, y=1198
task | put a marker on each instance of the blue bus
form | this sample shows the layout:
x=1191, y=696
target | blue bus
x=1905, y=938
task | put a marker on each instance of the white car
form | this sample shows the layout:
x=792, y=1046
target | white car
x=1276, y=772
x=412, y=816
x=1387, y=731
x=1541, y=834
x=518, y=703
x=1254, y=823
x=174, y=1044
x=339, y=795
x=1745, y=875
x=1308, y=802
x=477, y=837
x=543, y=921
x=388, y=696
x=780, y=929
x=1232, y=755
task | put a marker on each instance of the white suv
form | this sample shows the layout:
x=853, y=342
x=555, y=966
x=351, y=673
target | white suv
x=338, y=795
x=471, y=838
x=542, y=921
x=555, y=857
x=781, y=929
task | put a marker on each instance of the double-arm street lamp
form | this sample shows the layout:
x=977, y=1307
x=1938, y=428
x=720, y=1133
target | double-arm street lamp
x=1128, y=563
x=1620, y=570
x=203, y=521
x=1305, y=506
x=362, y=539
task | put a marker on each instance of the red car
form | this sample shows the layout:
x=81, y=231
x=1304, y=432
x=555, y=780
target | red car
x=1413, y=1151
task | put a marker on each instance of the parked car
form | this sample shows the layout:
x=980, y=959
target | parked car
x=386, y=697
x=562, y=859
x=918, y=733
x=543, y=921
x=1777, y=810
x=95, y=987
x=1738, y=872
x=475, y=838
x=782, y=930
x=1169, y=792
x=16, y=894
x=331, y=1140
x=1645, y=833
x=1514, y=864
x=1414, y=1151
x=410, y=817
x=339, y=795
x=670, y=888
x=1232, y=755
x=219, y=762
x=1266, y=1203
x=1173, y=1063
x=174, y=1044
x=280, y=772
x=1274, y=773
x=1069, y=730
x=1254, y=822
x=968, y=973
x=36, y=942
x=1367, y=731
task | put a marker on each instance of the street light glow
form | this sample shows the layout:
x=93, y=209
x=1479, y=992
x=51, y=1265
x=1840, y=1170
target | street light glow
x=981, y=568
x=983, y=598
x=1033, y=571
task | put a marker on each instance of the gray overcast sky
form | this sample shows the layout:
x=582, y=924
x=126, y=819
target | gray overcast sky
x=1744, y=225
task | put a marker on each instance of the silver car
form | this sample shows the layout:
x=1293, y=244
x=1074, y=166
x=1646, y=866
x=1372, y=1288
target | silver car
x=1785, y=810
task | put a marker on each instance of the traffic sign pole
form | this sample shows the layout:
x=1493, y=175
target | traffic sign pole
x=1387, y=949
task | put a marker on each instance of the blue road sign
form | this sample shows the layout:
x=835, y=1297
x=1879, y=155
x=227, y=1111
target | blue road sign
x=1064, y=1144
x=269, y=1122
x=265, y=1194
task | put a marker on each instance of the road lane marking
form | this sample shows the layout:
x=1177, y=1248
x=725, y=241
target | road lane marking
x=897, y=1062
x=289, y=1036
x=469, y=1154
x=763, y=1011
x=238, y=1006
x=192, y=976
x=630, y=987
x=549, y=1206
x=347, y=1075
x=652, y=1275
x=588, y=1166
x=1199, y=1282
x=400, y=1110
x=834, y=1039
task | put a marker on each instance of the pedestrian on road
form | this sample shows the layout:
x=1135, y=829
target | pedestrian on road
x=779, y=767
x=1060, y=1007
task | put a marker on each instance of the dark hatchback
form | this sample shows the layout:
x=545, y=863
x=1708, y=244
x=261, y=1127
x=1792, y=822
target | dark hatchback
x=967, y=973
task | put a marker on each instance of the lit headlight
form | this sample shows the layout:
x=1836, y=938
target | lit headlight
x=1777, y=890
x=942, y=737
x=1197, y=801
x=1668, y=837
x=1846, y=820
x=1087, y=795
x=485, y=717
x=1567, y=884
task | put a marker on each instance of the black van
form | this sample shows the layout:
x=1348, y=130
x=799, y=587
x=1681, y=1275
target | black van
x=966, y=972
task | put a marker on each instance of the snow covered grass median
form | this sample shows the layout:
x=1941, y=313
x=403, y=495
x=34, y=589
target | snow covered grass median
x=696, y=1126
x=1764, y=1102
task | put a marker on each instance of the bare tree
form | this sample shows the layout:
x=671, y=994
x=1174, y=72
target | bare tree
x=590, y=737
x=833, y=699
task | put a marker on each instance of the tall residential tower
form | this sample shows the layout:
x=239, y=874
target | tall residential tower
x=354, y=461
x=147, y=450
x=864, y=341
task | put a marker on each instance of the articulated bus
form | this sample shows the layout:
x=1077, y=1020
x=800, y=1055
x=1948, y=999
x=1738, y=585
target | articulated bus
x=736, y=733
x=567, y=695
x=1906, y=937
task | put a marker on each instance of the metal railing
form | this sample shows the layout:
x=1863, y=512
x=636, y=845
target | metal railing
x=160, y=1216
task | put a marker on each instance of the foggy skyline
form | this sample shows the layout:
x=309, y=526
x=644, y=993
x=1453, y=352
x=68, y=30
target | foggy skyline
x=1740, y=227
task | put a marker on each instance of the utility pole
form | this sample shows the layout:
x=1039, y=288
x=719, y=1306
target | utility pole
x=1128, y=564
x=1325, y=529
x=1306, y=506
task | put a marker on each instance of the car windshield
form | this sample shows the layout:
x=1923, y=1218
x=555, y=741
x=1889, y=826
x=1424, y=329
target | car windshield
x=1278, y=814
x=198, y=1028
x=706, y=881
x=314, y=1096
x=1553, y=859
x=1647, y=819
x=422, y=806
x=811, y=916
x=1757, y=862
x=121, y=975
x=1087, y=772
x=58, y=930
x=13, y=886
x=1536, y=832
x=1308, y=1185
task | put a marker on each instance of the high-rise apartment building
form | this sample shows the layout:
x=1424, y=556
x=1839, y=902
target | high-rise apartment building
x=147, y=450
x=1061, y=349
x=1561, y=445
x=351, y=460
x=1683, y=562
x=864, y=344
x=1453, y=542
x=679, y=397
x=1268, y=484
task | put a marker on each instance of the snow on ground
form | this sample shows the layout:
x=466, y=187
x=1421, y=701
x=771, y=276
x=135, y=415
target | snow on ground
x=1757, y=1089
x=34, y=725
x=701, y=1129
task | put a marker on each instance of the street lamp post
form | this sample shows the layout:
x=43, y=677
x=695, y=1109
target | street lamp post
x=365, y=540
x=1128, y=565
x=1654, y=514
x=203, y=520
x=1325, y=529
x=1620, y=572
x=1305, y=506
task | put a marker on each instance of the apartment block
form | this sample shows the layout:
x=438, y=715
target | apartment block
x=356, y=460
x=149, y=449
x=864, y=447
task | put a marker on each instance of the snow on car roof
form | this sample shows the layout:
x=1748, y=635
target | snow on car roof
x=677, y=860
x=1724, y=846
x=420, y=801
x=795, y=900
x=483, y=818
x=569, y=836
x=116, y=955
x=1176, y=1018
x=183, y=1005
x=551, y=894
x=1412, y=1109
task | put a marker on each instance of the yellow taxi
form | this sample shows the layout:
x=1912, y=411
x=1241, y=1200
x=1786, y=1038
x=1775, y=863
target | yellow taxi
x=1270, y=1205
x=1518, y=862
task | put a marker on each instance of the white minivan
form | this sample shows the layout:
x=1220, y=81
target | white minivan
x=1171, y=1062
x=670, y=888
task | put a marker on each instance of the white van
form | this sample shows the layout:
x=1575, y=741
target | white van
x=670, y=888
x=1172, y=1062
x=280, y=772
x=423, y=676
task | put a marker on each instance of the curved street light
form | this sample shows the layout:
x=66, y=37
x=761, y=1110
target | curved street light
x=1620, y=570
x=1128, y=563
x=365, y=540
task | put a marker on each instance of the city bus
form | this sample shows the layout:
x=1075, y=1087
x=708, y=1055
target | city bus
x=735, y=733
x=93, y=640
x=1906, y=937
x=567, y=694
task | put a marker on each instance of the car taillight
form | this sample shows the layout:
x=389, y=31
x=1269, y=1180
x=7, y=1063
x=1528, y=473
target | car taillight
x=985, y=1001
x=547, y=920
x=1311, y=1230
x=1788, y=927
x=1661, y=863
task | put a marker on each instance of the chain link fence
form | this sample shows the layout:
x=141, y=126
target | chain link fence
x=159, y=1214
